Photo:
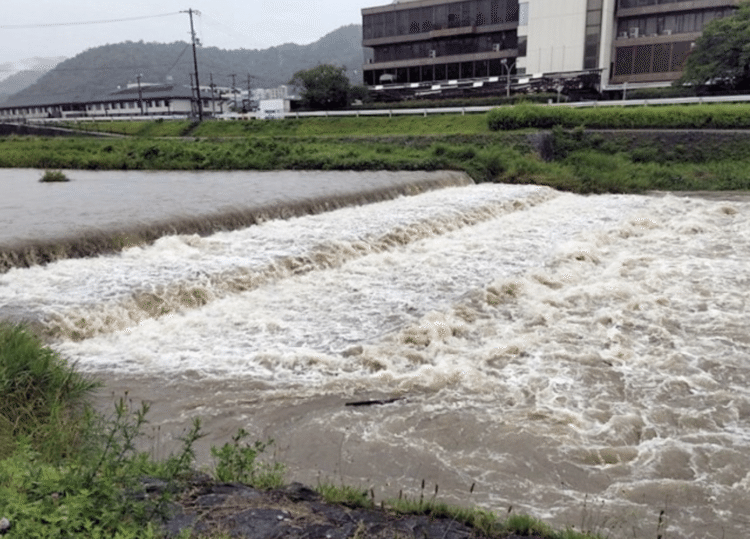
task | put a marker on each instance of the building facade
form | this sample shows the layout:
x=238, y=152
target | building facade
x=149, y=100
x=654, y=37
x=423, y=41
x=623, y=42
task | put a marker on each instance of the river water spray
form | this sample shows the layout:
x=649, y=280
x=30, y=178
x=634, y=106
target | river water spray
x=583, y=359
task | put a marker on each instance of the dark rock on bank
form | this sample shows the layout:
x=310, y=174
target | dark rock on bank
x=295, y=512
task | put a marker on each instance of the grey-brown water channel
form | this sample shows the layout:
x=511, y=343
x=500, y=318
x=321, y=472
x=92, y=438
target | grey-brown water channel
x=583, y=359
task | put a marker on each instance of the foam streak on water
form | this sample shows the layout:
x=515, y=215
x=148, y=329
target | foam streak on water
x=584, y=359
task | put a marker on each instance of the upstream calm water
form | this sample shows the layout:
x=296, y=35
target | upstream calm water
x=583, y=359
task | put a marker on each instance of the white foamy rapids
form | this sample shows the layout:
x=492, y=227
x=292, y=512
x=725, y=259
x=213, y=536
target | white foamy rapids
x=584, y=359
x=79, y=298
x=296, y=329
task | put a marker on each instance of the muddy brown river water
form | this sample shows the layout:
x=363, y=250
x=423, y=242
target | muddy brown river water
x=582, y=359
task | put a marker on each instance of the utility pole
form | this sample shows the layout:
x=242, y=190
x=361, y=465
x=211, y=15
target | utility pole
x=250, y=102
x=213, y=101
x=234, y=90
x=140, y=94
x=192, y=95
x=195, y=62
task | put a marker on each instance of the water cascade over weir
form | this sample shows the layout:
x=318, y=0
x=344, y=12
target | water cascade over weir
x=105, y=212
x=583, y=359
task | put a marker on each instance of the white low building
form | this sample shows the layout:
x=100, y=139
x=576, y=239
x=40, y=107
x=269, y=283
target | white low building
x=148, y=100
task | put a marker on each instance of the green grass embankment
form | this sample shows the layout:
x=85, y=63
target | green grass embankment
x=479, y=144
x=699, y=116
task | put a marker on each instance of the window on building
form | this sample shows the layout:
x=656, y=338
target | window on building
x=680, y=52
x=522, y=45
x=662, y=53
x=624, y=60
x=642, y=61
x=495, y=17
x=523, y=14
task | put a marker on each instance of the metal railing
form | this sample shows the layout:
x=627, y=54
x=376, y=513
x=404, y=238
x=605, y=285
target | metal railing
x=420, y=111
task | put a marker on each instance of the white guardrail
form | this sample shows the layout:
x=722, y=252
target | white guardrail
x=579, y=104
x=426, y=111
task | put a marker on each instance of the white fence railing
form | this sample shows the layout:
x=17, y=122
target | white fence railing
x=425, y=111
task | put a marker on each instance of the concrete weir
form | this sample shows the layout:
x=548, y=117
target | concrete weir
x=92, y=220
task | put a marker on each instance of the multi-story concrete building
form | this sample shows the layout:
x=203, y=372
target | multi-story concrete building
x=419, y=41
x=623, y=42
x=652, y=38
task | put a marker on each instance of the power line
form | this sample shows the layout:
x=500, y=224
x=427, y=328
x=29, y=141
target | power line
x=82, y=23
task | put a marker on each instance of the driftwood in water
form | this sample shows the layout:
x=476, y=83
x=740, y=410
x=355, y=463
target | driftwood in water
x=374, y=402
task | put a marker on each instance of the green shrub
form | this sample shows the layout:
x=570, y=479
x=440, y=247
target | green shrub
x=727, y=116
x=238, y=462
x=54, y=176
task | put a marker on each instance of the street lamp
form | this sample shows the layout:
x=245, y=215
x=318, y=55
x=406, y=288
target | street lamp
x=507, y=67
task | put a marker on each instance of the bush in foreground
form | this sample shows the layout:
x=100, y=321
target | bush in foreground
x=66, y=471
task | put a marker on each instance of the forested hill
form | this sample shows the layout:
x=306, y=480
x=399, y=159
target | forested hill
x=102, y=69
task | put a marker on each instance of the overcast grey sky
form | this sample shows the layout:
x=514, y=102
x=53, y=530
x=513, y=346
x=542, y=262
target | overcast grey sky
x=227, y=24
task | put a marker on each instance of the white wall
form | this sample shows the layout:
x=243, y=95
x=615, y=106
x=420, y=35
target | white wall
x=556, y=33
x=272, y=109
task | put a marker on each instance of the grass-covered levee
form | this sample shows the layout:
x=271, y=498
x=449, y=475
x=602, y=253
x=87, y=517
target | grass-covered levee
x=593, y=150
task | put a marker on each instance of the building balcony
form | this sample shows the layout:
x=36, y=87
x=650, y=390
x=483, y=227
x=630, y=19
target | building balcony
x=630, y=38
x=672, y=7
x=456, y=58
x=437, y=33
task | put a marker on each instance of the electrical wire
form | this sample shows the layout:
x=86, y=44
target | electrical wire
x=178, y=58
x=82, y=23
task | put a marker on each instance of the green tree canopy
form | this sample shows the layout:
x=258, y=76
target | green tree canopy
x=323, y=87
x=722, y=54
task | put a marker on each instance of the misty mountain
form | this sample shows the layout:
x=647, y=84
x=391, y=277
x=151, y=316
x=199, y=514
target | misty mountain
x=101, y=70
x=15, y=76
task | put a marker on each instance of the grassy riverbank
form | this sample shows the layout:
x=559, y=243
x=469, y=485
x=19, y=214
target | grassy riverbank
x=570, y=159
x=65, y=471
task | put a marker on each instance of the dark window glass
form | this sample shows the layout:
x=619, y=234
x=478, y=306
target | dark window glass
x=496, y=67
x=680, y=52
x=522, y=46
x=481, y=68
x=661, y=57
x=642, y=62
x=624, y=60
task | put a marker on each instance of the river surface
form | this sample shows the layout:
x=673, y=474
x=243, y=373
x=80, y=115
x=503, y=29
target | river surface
x=96, y=201
x=582, y=359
